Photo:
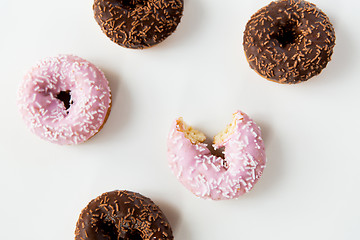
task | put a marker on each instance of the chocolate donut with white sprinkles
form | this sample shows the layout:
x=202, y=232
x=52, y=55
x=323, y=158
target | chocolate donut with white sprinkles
x=138, y=24
x=289, y=41
x=122, y=215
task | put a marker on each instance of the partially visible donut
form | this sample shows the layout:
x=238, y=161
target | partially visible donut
x=122, y=215
x=214, y=177
x=289, y=41
x=138, y=23
x=65, y=99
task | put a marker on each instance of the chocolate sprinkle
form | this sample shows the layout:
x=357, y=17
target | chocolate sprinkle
x=138, y=24
x=122, y=215
x=289, y=41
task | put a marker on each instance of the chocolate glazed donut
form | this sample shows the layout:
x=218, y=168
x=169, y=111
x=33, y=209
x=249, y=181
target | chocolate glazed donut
x=122, y=215
x=289, y=41
x=138, y=23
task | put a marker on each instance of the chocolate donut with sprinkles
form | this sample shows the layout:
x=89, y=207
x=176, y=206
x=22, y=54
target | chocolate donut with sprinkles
x=122, y=215
x=138, y=24
x=289, y=41
x=65, y=99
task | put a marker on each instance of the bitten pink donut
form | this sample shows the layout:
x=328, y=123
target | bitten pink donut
x=65, y=99
x=212, y=177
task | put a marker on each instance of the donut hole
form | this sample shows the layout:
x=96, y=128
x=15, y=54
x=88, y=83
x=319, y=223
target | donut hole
x=107, y=228
x=132, y=235
x=286, y=33
x=131, y=4
x=218, y=152
x=65, y=97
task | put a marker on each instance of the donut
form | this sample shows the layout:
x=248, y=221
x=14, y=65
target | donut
x=122, y=215
x=64, y=99
x=138, y=24
x=289, y=41
x=215, y=177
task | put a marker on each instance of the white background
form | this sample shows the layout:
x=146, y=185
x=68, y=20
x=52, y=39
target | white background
x=310, y=189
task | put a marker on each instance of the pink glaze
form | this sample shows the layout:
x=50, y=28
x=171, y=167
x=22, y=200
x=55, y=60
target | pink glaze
x=47, y=116
x=209, y=176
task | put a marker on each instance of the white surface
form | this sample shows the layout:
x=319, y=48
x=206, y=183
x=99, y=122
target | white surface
x=310, y=189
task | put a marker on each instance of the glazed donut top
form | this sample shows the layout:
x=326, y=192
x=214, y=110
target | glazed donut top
x=213, y=177
x=122, y=215
x=138, y=23
x=64, y=99
x=289, y=41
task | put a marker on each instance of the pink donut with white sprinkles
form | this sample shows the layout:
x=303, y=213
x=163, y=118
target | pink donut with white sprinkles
x=65, y=99
x=214, y=177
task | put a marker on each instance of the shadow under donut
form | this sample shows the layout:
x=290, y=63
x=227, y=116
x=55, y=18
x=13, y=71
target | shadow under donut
x=173, y=216
x=343, y=58
x=191, y=21
x=273, y=171
x=120, y=105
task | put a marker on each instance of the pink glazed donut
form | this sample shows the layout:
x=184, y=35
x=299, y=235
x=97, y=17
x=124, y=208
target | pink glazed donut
x=212, y=177
x=65, y=99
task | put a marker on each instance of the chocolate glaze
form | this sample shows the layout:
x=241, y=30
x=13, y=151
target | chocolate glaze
x=122, y=215
x=138, y=23
x=289, y=41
